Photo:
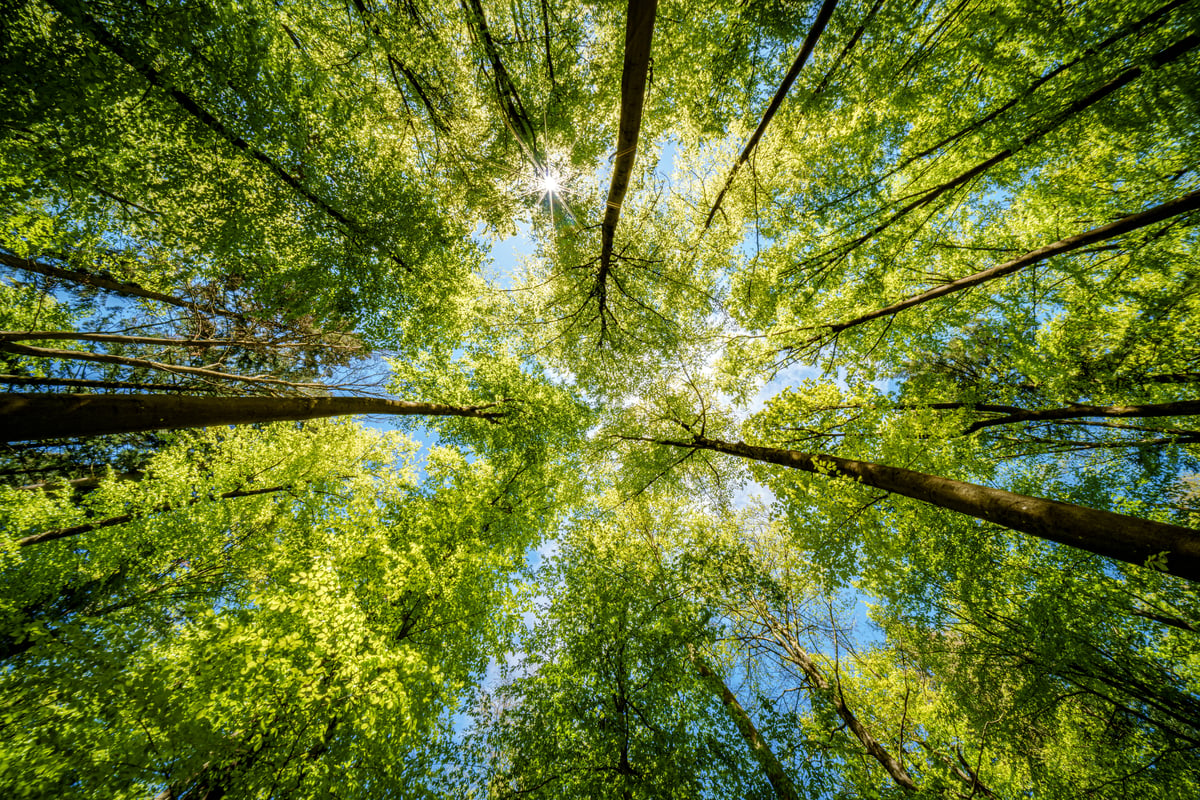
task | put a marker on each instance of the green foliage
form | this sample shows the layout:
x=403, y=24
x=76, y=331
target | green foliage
x=519, y=604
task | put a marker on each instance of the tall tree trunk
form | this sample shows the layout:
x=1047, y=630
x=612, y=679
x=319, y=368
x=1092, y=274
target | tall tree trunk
x=639, y=31
x=109, y=522
x=28, y=417
x=822, y=688
x=86, y=278
x=780, y=782
x=810, y=41
x=1126, y=224
x=1105, y=533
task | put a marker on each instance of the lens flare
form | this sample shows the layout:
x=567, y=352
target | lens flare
x=548, y=183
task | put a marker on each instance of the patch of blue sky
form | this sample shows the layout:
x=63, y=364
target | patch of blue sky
x=507, y=254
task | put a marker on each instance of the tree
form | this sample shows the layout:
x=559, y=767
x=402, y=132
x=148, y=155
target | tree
x=56, y=416
x=364, y=594
x=923, y=276
x=615, y=696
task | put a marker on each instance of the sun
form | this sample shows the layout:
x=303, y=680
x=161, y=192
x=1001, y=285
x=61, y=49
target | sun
x=552, y=189
x=549, y=183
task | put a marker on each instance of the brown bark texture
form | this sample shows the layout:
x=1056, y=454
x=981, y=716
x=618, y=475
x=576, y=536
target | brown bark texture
x=780, y=782
x=1105, y=533
x=639, y=31
x=31, y=417
x=810, y=41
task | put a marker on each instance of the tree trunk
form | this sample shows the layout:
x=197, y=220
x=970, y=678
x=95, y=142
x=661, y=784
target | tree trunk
x=639, y=31
x=821, y=687
x=85, y=278
x=784, y=789
x=1179, y=408
x=1127, y=224
x=806, y=49
x=29, y=417
x=1105, y=533
x=109, y=522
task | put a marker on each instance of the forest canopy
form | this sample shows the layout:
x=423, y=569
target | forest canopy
x=836, y=433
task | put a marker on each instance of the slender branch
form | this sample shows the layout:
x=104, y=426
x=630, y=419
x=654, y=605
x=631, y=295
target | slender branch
x=928, y=196
x=79, y=383
x=125, y=361
x=821, y=687
x=89, y=25
x=108, y=522
x=114, y=338
x=975, y=125
x=1180, y=408
x=123, y=288
x=1126, y=224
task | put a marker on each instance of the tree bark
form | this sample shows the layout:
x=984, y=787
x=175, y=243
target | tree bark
x=121, y=519
x=810, y=41
x=100, y=282
x=821, y=687
x=29, y=417
x=639, y=31
x=1180, y=408
x=1127, y=224
x=1105, y=533
x=780, y=782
